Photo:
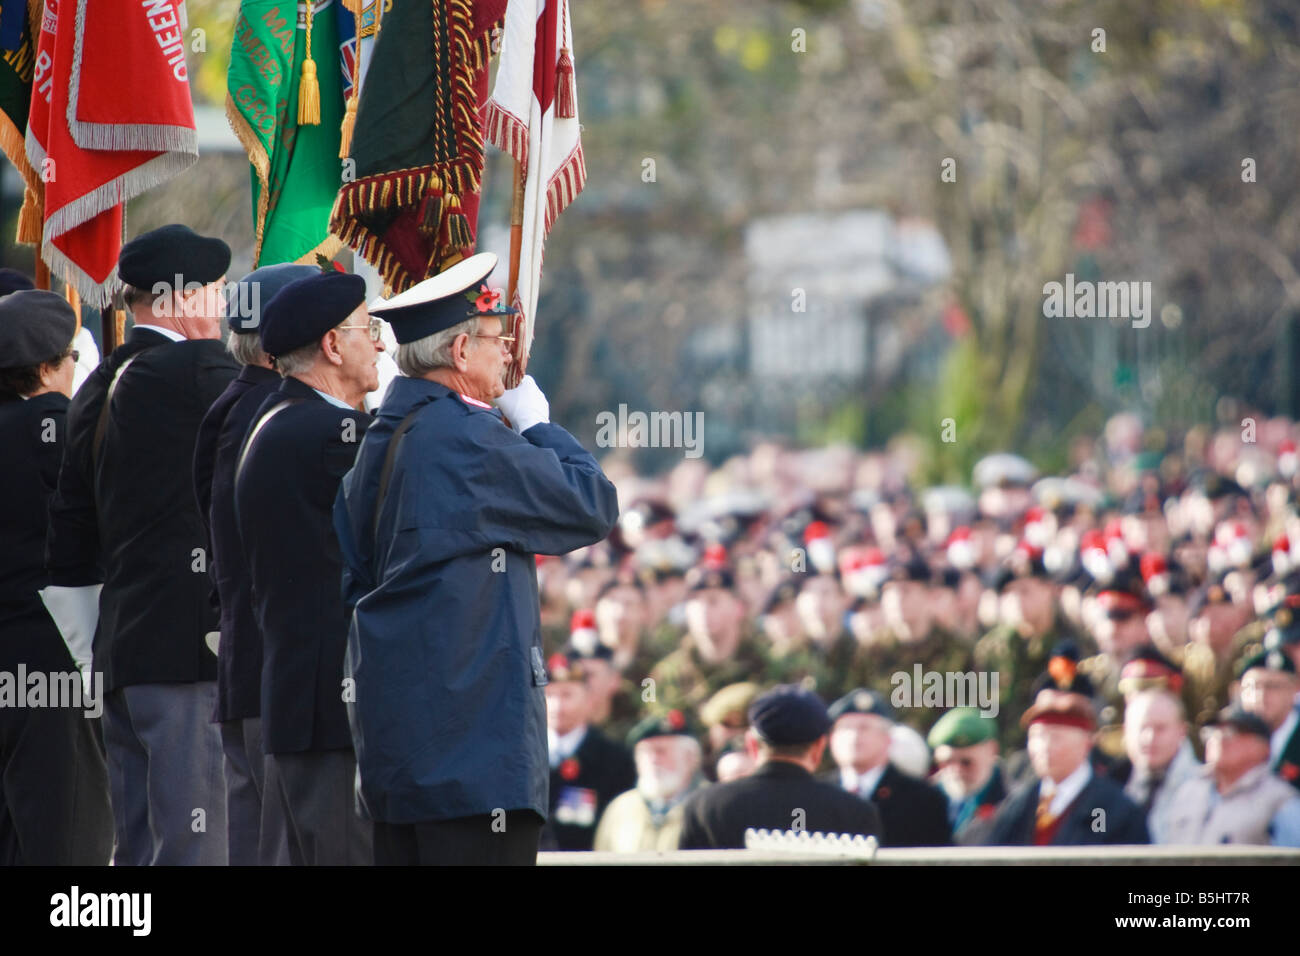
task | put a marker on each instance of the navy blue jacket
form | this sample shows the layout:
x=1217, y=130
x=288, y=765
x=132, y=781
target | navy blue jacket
x=284, y=496
x=1123, y=822
x=154, y=611
x=221, y=435
x=445, y=643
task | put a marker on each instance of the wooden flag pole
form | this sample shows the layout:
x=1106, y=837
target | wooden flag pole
x=516, y=374
x=516, y=231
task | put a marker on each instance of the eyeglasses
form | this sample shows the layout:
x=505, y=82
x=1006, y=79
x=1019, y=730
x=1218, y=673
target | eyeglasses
x=375, y=327
x=503, y=339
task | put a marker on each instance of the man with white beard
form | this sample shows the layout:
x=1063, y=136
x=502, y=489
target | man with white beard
x=668, y=771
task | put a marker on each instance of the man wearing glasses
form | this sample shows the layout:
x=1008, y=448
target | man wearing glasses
x=1236, y=799
x=1268, y=689
x=301, y=443
x=439, y=523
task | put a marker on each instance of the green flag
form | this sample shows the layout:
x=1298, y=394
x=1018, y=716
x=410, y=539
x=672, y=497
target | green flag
x=295, y=167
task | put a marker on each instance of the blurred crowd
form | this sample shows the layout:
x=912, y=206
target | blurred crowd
x=1148, y=594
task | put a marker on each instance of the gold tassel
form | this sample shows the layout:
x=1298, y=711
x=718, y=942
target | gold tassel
x=565, y=93
x=309, y=86
x=349, y=124
x=29, y=218
x=350, y=115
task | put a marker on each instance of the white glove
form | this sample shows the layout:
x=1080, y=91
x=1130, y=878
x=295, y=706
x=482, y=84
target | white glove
x=525, y=405
x=75, y=612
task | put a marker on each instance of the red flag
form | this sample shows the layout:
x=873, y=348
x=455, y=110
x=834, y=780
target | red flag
x=106, y=124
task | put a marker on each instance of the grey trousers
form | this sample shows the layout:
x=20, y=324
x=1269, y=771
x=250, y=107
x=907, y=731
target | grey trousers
x=164, y=772
x=314, y=792
x=241, y=740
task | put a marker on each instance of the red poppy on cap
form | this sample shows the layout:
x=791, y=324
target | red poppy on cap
x=675, y=720
x=583, y=619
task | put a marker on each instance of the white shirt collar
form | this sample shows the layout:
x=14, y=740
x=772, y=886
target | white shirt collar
x=170, y=333
x=1277, y=741
x=863, y=784
x=1064, y=793
x=564, y=746
x=333, y=400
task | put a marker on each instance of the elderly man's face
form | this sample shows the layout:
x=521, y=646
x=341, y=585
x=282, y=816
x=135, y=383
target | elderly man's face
x=965, y=770
x=1268, y=693
x=1230, y=753
x=860, y=741
x=360, y=368
x=665, y=765
x=1153, y=731
x=487, y=356
x=1056, y=750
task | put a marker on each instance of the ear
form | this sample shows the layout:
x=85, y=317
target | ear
x=329, y=344
x=460, y=352
x=751, y=744
x=48, y=372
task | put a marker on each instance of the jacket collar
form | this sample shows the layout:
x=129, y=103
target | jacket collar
x=781, y=769
x=255, y=375
x=146, y=337
x=296, y=388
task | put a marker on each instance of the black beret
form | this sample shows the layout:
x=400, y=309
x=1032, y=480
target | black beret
x=788, y=714
x=438, y=303
x=305, y=309
x=1274, y=660
x=11, y=280
x=171, y=251
x=670, y=724
x=862, y=701
x=35, y=326
x=1243, y=721
x=255, y=290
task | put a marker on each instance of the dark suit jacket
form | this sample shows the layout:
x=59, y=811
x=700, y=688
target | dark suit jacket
x=239, y=660
x=1124, y=821
x=1288, y=761
x=72, y=547
x=32, y=434
x=770, y=798
x=284, y=499
x=154, y=610
x=604, y=767
x=913, y=812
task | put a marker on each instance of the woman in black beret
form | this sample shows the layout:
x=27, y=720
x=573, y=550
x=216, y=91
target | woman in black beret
x=54, y=804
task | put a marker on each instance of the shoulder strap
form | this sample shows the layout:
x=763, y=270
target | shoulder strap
x=101, y=425
x=256, y=429
x=386, y=472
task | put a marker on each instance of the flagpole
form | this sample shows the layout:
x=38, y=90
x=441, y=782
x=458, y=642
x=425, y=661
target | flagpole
x=515, y=374
x=516, y=231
